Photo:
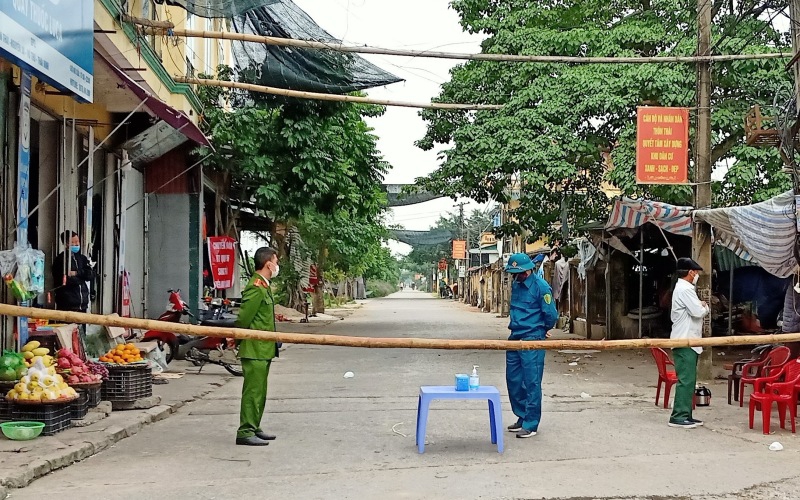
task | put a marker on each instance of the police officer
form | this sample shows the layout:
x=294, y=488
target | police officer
x=533, y=313
x=257, y=312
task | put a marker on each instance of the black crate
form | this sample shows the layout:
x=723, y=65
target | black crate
x=49, y=341
x=56, y=417
x=5, y=409
x=92, y=395
x=80, y=407
x=127, y=383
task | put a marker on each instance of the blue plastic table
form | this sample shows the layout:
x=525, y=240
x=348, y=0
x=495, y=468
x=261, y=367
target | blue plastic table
x=485, y=392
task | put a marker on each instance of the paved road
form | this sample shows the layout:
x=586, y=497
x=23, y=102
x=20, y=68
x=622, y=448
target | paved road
x=354, y=438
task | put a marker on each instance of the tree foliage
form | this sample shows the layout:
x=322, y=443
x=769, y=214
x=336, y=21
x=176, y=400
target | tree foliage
x=568, y=128
x=313, y=165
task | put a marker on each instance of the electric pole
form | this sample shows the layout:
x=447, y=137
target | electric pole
x=465, y=263
x=701, y=233
x=794, y=19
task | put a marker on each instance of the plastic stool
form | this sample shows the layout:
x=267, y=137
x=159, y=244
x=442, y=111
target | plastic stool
x=486, y=392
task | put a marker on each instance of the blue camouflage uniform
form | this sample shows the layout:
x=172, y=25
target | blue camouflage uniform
x=533, y=312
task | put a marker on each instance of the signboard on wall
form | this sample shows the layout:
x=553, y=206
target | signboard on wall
x=222, y=258
x=459, y=249
x=54, y=39
x=662, y=145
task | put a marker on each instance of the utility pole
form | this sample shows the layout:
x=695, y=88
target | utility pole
x=462, y=282
x=701, y=234
x=794, y=19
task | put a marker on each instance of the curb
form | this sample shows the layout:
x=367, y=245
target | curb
x=92, y=445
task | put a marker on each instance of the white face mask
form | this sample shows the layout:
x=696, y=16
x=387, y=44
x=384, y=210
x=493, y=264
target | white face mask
x=694, y=280
x=276, y=271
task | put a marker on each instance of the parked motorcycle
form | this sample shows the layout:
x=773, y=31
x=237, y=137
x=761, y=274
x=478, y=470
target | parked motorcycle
x=198, y=350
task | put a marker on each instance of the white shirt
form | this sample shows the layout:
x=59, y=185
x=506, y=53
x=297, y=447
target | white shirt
x=687, y=313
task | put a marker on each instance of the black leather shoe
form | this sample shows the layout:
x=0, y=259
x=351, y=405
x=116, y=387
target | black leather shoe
x=266, y=437
x=251, y=441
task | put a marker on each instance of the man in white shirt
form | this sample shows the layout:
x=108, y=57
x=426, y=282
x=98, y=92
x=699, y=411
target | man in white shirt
x=687, y=316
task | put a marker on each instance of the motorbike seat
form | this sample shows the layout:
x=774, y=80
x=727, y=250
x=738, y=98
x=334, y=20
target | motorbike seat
x=222, y=323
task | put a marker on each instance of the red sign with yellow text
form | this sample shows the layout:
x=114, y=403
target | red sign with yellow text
x=459, y=249
x=662, y=145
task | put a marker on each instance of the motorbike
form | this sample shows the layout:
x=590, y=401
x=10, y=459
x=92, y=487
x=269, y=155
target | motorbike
x=198, y=350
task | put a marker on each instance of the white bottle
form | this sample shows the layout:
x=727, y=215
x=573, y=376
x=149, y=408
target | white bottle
x=474, y=381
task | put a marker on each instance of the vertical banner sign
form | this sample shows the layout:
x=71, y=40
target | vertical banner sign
x=125, y=309
x=459, y=249
x=222, y=257
x=662, y=145
x=24, y=162
x=23, y=181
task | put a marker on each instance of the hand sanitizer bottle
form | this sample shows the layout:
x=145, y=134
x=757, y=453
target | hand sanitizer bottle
x=474, y=381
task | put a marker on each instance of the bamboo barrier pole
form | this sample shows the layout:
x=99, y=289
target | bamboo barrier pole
x=332, y=97
x=163, y=28
x=387, y=343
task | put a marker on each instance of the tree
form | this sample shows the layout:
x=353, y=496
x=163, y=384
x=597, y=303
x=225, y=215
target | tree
x=310, y=164
x=565, y=129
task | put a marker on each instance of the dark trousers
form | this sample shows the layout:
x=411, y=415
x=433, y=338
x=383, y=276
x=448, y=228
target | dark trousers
x=685, y=359
x=524, y=371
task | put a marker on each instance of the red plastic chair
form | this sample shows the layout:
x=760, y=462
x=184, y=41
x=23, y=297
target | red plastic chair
x=736, y=371
x=770, y=365
x=780, y=388
x=666, y=376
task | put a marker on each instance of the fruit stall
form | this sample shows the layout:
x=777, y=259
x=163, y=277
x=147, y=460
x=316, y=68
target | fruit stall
x=57, y=388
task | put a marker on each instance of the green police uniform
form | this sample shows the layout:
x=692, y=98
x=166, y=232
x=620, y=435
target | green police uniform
x=257, y=313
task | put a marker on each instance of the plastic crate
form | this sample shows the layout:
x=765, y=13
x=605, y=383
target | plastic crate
x=49, y=341
x=5, y=409
x=56, y=417
x=127, y=384
x=80, y=407
x=92, y=395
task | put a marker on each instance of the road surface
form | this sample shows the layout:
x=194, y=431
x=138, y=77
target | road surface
x=600, y=437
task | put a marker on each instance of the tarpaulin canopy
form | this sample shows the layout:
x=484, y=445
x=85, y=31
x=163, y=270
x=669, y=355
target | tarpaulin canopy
x=218, y=8
x=290, y=68
x=629, y=213
x=763, y=233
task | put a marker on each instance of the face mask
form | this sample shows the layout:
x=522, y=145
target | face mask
x=276, y=271
x=521, y=277
x=694, y=280
x=74, y=248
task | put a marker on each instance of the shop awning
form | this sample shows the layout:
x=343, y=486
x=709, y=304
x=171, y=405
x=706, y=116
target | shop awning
x=171, y=116
x=629, y=213
x=763, y=233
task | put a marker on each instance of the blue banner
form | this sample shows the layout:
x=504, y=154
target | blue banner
x=54, y=39
x=23, y=181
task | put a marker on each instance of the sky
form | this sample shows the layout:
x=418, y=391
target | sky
x=415, y=25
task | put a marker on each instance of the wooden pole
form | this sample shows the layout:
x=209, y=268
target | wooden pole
x=701, y=237
x=332, y=97
x=386, y=343
x=151, y=28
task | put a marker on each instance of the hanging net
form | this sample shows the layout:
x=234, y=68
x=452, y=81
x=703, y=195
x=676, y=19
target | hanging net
x=312, y=70
x=416, y=238
x=218, y=8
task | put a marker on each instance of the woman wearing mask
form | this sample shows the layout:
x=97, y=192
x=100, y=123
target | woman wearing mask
x=70, y=275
